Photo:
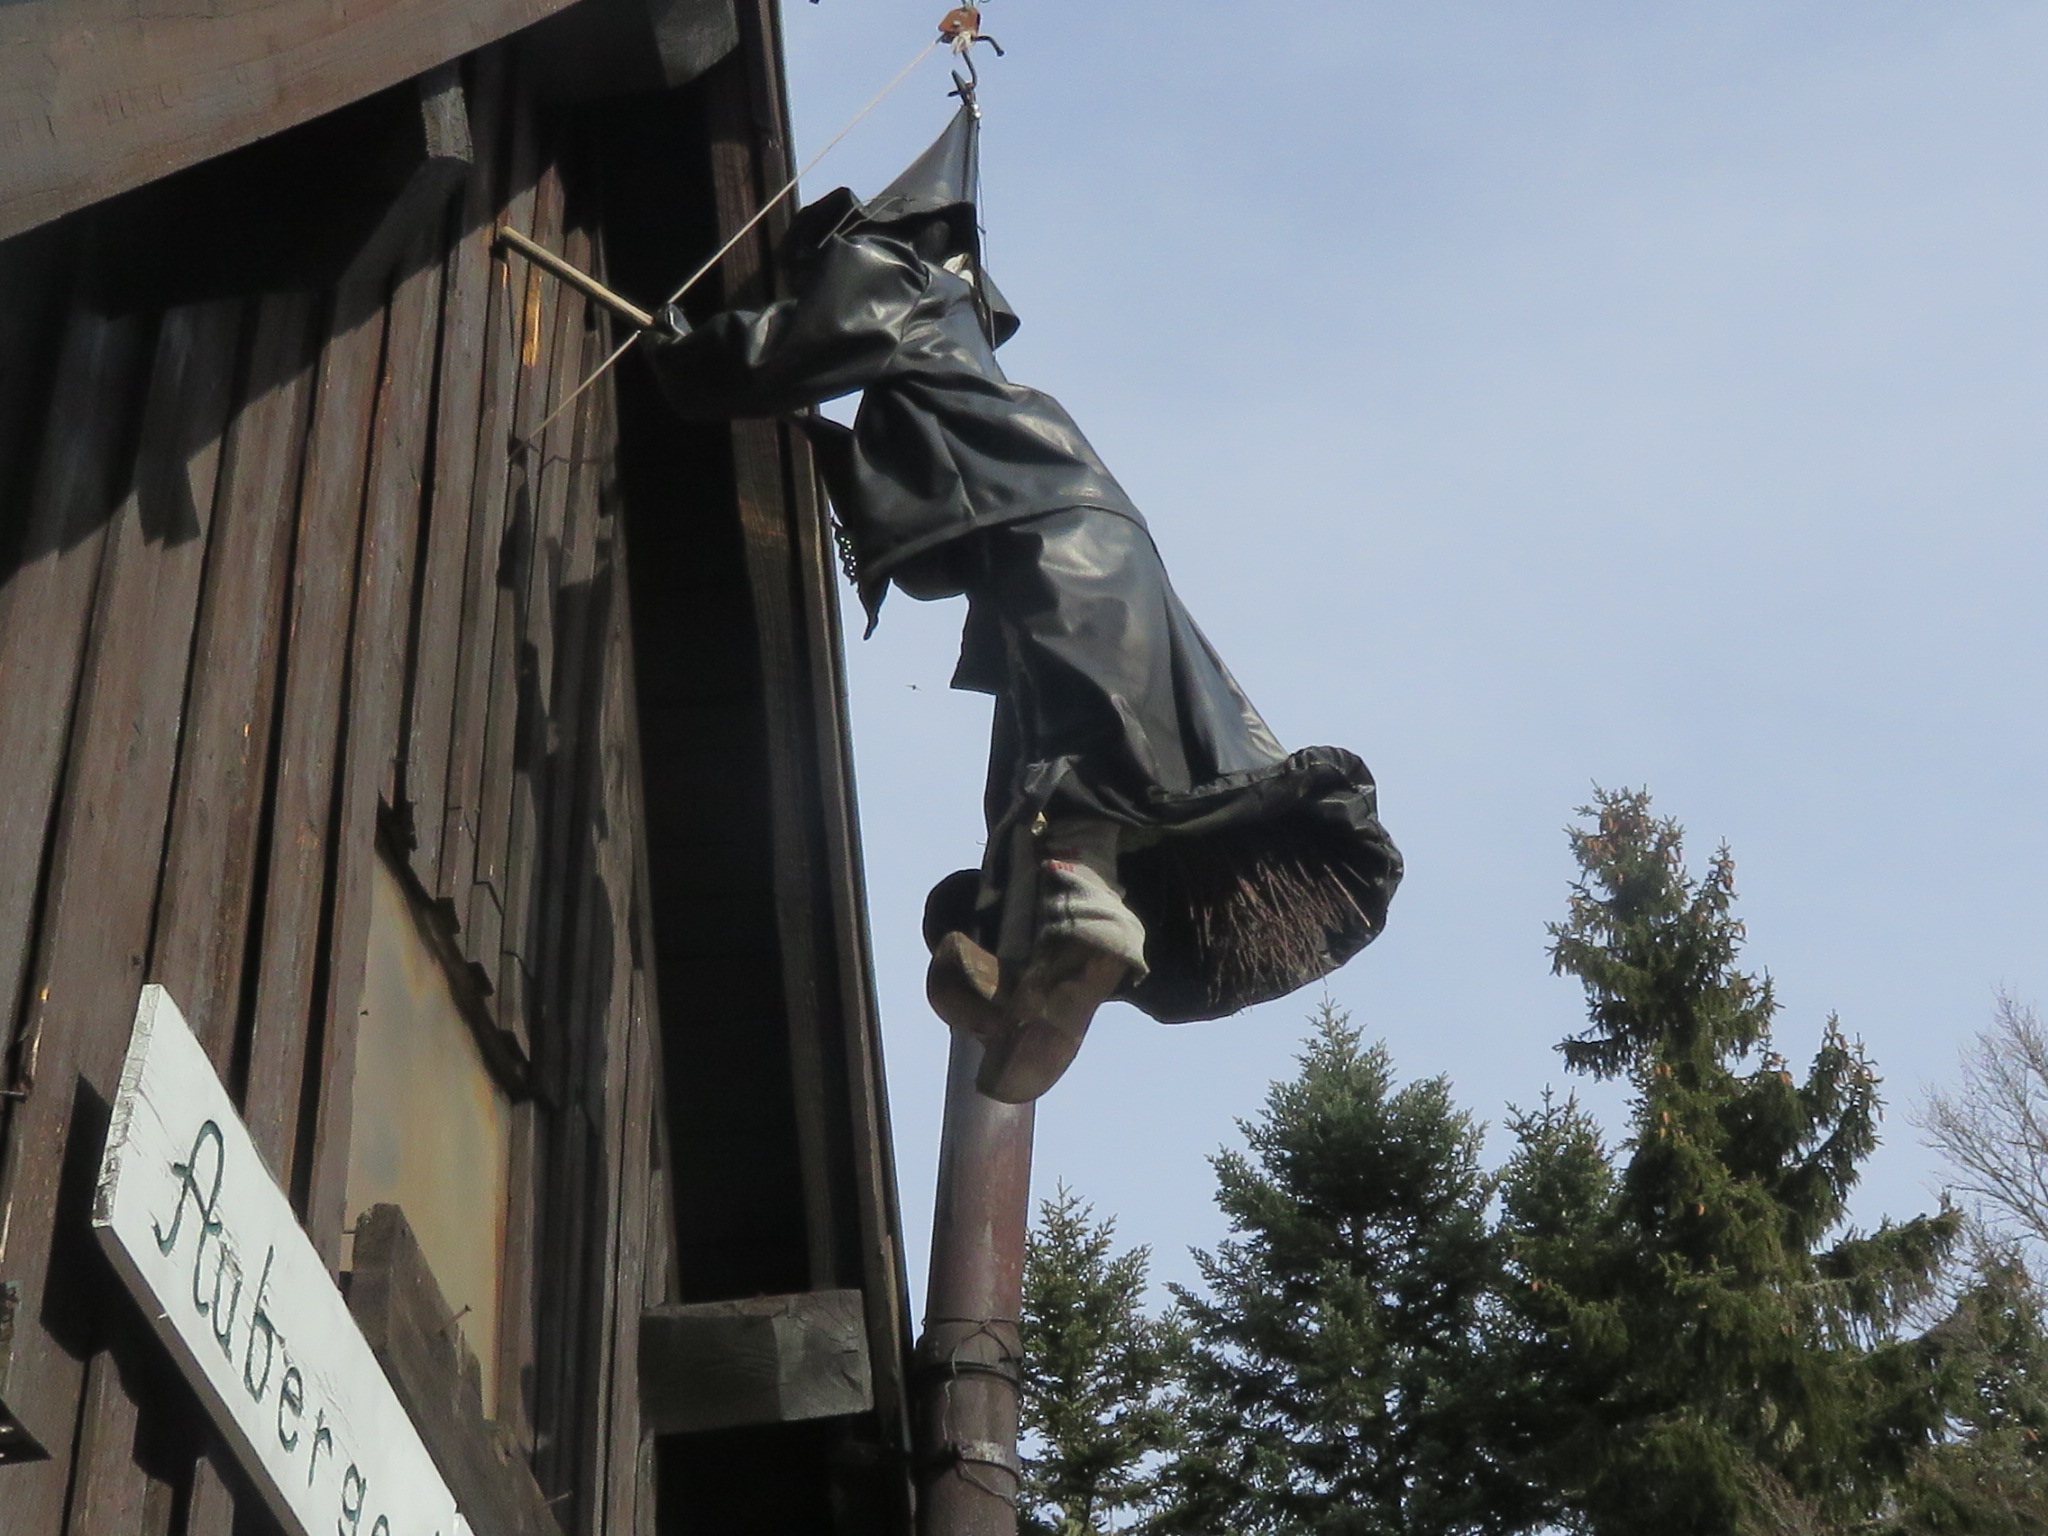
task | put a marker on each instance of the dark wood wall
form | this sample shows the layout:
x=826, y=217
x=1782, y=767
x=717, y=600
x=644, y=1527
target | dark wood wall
x=97, y=96
x=292, y=576
x=280, y=589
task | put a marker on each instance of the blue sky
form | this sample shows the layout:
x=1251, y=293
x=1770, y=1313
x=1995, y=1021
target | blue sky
x=1525, y=397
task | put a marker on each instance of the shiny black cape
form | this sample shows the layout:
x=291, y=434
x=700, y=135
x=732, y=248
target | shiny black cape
x=1254, y=870
x=942, y=442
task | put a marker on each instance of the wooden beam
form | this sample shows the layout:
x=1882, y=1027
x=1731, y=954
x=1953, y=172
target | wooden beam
x=395, y=1301
x=213, y=853
x=622, y=47
x=764, y=1360
x=98, y=96
x=349, y=193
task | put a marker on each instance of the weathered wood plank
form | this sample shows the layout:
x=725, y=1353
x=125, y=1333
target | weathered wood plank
x=584, y=1057
x=579, y=964
x=577, y=810
x=293, y=948
x=395, y=1301
x=572, y=1217
x=107, y=844
x=616, y=47
x=97, y=96
x=465, y=323
x=476, y=902
x=113, y=1493
x=374, y=705
x=765, y=1360
x=563, y=609
x=96, y=918
x=588, y=1049
x=657, y=1213
x=515, y=1407
x=44, y=608
x=625, y=1099
x=515, y=738
x=579, y=975
x=537, y=746
x=212, y=856
x=561, y=1419
x=210, y=1511
x=626, y=1295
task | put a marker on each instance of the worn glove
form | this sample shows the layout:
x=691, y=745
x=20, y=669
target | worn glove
x=669, y=324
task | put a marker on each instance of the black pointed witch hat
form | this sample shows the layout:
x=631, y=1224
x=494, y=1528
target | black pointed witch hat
x=943, y=183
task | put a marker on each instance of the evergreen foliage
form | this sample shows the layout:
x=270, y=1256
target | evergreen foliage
x=1096, y=1408
x=1989, y=1474
x=1335, y=1342
x=1670, y=1333
x=1688, y=1340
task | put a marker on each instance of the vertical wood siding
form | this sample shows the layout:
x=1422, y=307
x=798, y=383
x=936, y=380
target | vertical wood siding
x=292, y=582
x=273, y=588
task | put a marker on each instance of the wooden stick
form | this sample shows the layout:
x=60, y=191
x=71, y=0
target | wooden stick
x=581, y=281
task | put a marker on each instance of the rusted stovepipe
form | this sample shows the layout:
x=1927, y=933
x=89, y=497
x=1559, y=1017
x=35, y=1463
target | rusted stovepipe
x=969, y=1357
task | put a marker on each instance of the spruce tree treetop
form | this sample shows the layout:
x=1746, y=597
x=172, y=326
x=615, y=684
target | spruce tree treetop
x=1705, y=1326
x=1334, y=1340
x=1098, y=1407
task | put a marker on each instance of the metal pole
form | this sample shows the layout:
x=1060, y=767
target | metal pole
x=969, y=1357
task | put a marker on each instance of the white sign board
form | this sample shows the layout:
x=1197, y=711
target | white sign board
x=201, y=1233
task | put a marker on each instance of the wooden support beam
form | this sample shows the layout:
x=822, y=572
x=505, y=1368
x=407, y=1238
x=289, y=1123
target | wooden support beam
x=765, y=1360
x=412, y=1331
x=623, y=47
x=100, y=96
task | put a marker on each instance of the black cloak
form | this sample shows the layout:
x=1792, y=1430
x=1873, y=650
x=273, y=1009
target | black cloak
x=1253, y=870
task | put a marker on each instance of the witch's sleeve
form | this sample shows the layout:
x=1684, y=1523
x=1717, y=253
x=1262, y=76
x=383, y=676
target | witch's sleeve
x=840, y=334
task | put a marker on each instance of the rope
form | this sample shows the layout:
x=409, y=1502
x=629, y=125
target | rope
x=737, y=236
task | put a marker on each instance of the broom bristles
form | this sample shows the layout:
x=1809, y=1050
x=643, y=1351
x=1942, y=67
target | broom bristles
x=1264, y=910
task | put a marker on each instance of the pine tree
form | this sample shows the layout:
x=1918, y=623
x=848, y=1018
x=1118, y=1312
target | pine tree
x=1097, y=1376
x=1698, y=1341
x=1335, y=1340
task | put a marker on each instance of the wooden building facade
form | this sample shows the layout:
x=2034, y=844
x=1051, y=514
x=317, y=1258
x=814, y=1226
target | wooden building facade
x=466, y=760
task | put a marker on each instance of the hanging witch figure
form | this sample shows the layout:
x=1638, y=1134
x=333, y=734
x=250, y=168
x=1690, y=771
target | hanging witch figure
x=1149, y=839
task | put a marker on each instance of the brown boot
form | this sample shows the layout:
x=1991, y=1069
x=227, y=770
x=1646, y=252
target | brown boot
x=1046, y=1015
x=961, y=985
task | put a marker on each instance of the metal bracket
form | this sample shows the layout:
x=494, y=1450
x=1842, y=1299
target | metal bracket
x=985, y=1453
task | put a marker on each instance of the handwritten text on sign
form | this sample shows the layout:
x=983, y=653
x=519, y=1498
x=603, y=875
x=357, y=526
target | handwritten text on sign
x=211, y=1248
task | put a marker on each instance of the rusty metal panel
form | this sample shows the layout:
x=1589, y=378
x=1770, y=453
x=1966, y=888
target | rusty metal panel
x=432, y=1129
